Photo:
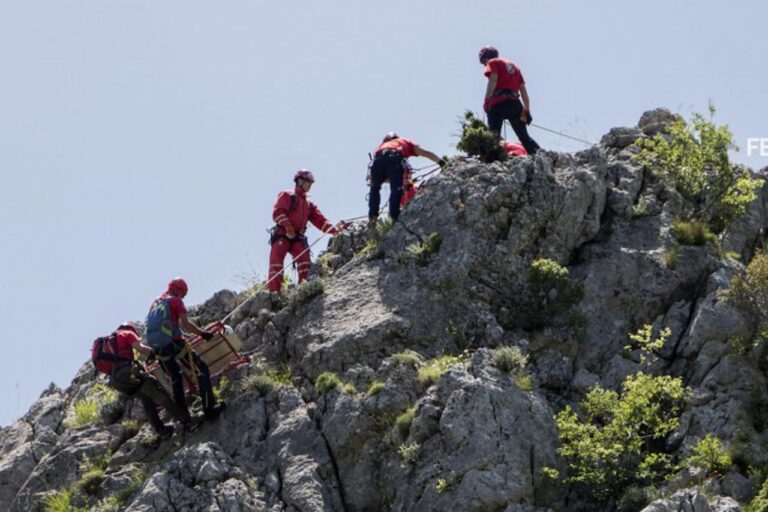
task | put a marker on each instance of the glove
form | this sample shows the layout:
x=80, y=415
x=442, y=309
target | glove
x=441, y=163
x=206, y=335
x=342, y=225
x=486, y=106
x=526, y=117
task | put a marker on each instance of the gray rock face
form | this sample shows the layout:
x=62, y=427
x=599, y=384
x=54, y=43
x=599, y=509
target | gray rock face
x=477, y=440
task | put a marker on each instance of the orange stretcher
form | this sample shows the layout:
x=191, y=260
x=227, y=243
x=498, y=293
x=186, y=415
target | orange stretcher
x=220, y=353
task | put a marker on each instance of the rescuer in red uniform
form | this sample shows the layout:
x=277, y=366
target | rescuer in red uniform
x=291, y=212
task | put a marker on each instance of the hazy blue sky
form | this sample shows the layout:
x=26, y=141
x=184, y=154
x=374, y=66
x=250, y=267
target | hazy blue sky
x=140, y=140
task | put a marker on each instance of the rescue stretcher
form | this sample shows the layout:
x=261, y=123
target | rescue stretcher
x=220, y=353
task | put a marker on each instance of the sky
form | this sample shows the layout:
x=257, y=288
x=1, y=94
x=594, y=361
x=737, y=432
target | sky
x=142, y=140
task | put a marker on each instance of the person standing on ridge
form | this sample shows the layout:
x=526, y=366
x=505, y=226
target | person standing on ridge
x=127, y=377
x=388, y=164
x=506, y=87
x=166, y=319
x=291, y=212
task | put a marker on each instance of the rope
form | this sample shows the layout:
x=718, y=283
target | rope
x=564, y=135
x=266, y=283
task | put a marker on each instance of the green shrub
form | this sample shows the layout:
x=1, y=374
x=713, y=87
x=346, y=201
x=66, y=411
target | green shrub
x=268, y=380
x=694, y=160
x=710, y=455
x=478, y=140
x=670, y=257
x=90, y=481
x=511, y=360
x=349, y=389
x=375, y=388
x=692, y=232
x=137, y=479
x=550, y=292
x=108, y=504
x=648, y=345
x=220, y=389
x=404, y=420
x=430, y=373
x=750, y=293
x=326, y=381
x=409, y=453
x=420, y=251
x=59, y=501
x=131, y=428
x=547, y=273
x=379, y=233
x=408, y=358
x=305, y=292
x=760, y=502
x=615, y=440
x=87, y=410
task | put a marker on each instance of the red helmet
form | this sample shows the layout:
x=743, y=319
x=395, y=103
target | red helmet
x=178, y=286
x=304, y=174
x=488, y=52
x=390, y=136
x=127, y=326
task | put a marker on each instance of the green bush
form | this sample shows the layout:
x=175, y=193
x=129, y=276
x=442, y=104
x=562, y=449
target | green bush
x=409, y=453
x=59, y=501
x=550, y=292
x=616, y=439
x=694, y=160
x=547, y=273
x=379, y=233
x=670, y=257
x=649, y=346
x=404, y=420
x=408, y=358
x=692, y=232
x=305, y=292
x=511, y=360
x=430, y=373
x=710, y=455
x=90, y=481
x=760, y=502
x=87, y=410
x=478, y=140
x=750, y=293
x=420, y=251
x=349, y=389
x=326, y=381
x=220, y=389
x=375, y=388
x=267, y=380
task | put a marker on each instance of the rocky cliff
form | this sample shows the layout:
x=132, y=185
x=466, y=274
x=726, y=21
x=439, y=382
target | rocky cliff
x=422, y=416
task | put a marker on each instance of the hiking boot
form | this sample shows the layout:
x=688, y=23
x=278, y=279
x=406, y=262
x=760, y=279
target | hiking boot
x=165, y=431
x=372, y=223
x=214, y=412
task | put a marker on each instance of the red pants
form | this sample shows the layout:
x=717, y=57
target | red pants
x=281, y=247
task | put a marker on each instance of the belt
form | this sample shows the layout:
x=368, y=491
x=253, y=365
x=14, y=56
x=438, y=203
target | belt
x=509, y=93
x=390, y=153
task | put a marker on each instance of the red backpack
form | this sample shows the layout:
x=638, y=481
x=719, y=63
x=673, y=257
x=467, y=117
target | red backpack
x=104, y=354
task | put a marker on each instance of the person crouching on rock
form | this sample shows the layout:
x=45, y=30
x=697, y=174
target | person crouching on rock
x=291, y=212
x=388, y=165
x=128, y=378
x=165, y=321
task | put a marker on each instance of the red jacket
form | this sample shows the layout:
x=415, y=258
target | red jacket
x=292, y=208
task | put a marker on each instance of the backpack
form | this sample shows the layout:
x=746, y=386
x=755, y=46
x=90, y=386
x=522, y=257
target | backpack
x=160, y=330
x=104, y=355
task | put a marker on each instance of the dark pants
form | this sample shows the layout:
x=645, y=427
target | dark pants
x=511, y=110
x=386, y=166
x=135, y=383
x=167, y=358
